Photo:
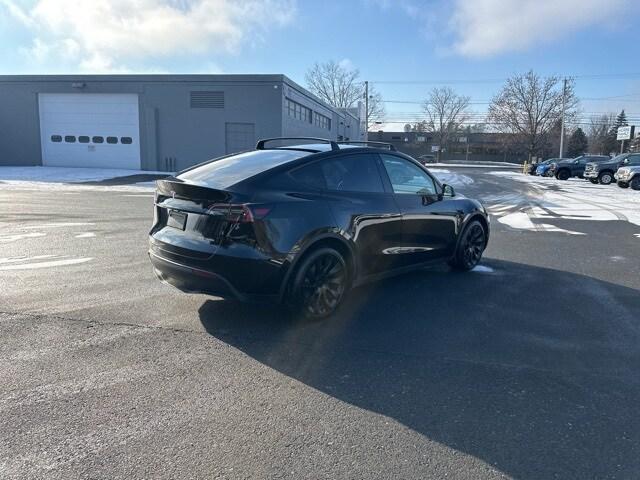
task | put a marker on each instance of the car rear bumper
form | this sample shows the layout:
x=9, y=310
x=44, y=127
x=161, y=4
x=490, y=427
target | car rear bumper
x=190, y=279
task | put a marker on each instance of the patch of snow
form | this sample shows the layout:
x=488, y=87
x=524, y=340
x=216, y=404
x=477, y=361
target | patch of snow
x=57, y=225
x=20, y=236
x=23, y=258
x=86, y=235
x=453, y=179
x=48, y=264
x=68, y=174
x=575, y=199
x=482, y=269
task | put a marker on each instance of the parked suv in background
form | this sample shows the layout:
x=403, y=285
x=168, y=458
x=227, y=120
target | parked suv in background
x=574, y=167
x=629, y=176
x=603, y=172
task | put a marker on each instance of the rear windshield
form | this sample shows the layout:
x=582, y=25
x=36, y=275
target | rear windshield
x=230, y=170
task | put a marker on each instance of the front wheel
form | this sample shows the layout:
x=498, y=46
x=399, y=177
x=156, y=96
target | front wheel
x=320, y=284
x=635, y=183
x=593, y=180
x=605, y=178
x=623, y=184
x=563, y=175
x=470, y=247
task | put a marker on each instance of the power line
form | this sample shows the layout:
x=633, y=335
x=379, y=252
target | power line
x=497, y=80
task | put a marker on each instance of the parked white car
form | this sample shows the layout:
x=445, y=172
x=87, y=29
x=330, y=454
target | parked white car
x=628, y=177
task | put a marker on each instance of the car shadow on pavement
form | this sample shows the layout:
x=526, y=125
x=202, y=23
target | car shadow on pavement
x=534, y=371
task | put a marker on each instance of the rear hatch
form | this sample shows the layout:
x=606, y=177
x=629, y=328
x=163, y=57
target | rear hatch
x=190, y=220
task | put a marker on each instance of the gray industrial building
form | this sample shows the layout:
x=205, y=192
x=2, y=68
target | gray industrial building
x=156, y=122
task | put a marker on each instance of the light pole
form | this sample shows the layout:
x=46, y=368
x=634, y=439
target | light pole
x=564, y=100
x=366, y=110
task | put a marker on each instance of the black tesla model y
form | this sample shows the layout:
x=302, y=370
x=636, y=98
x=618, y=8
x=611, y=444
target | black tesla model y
x=302, y=224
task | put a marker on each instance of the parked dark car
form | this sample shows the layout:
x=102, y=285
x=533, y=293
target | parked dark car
x=427, y=158
x=604, y=172
x=574, y=167
x=302, y=224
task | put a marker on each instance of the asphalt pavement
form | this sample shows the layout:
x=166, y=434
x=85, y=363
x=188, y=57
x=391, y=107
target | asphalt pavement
x=525, y=368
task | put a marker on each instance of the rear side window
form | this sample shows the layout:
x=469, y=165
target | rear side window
x=633, y=160
x=230, y=170
x=349, y=173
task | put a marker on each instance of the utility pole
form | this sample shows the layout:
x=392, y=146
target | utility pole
x=366, y=110
x=564, y=101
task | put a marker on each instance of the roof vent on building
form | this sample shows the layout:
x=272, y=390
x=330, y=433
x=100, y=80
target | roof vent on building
x=207, y=99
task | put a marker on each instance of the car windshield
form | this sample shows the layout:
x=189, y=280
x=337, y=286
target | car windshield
x=230, y=170
x=620, y=158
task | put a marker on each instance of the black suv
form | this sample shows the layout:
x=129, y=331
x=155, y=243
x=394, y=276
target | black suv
x=603, y=172
x=301, y=224
x=574, y=167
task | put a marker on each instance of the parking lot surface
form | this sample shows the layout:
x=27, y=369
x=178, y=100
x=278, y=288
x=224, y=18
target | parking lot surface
x=525, y=368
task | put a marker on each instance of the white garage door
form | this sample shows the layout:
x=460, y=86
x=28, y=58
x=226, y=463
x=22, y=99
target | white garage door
x=90, y=130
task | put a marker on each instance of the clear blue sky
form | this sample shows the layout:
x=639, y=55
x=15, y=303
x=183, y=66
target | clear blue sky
x=469, y=45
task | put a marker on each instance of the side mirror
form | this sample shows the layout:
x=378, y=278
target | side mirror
x=448, y=191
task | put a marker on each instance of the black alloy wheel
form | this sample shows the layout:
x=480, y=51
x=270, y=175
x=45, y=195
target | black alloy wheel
x=563, y=175
x=605, y=178
x=623, y=184
x=635, y=183
x=470, y=248
x=320, y=284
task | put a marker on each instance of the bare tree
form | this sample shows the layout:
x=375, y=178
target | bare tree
x=341, y=87
x=529, y=106
x=597, y=132
x=446, y=111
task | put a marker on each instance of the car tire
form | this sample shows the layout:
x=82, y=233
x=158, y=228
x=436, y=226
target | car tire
x=319, y=284
x=623, y=184
x=635, y=183
x=605, y=178
x=563, y=175
x=594, y=181
x=470, y=247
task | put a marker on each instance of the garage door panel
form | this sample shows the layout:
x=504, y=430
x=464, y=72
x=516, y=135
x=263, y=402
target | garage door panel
x=91, y=115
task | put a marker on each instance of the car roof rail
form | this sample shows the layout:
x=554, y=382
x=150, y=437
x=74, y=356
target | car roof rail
x=261, y=146
x=374, y=144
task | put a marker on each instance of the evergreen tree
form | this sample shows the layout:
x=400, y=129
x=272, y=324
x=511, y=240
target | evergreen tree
x=577, y=144
x=611, y=144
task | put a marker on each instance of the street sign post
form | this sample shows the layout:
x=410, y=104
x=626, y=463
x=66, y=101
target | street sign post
x=625, y=133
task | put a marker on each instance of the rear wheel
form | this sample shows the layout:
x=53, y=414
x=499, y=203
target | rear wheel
x=593, y=180
x=563, y=175
x=470, y=247
x=605, y=178
x=623, y=184
x=635, y=183
x=319, y=284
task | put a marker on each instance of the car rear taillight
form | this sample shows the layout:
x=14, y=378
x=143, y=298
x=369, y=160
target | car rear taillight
x=240, y=213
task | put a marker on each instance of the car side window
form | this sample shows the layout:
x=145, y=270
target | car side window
x=348, y=173
x=633, y=160
x=353, y=173
x=407, y=178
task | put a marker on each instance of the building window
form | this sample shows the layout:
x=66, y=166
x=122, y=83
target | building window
x=112, y=140
x=126, y=140
x=56, y=138
x=70, y=139
x=83, y=139
x=98, y=139
x=298, y=111
x=321, y=121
